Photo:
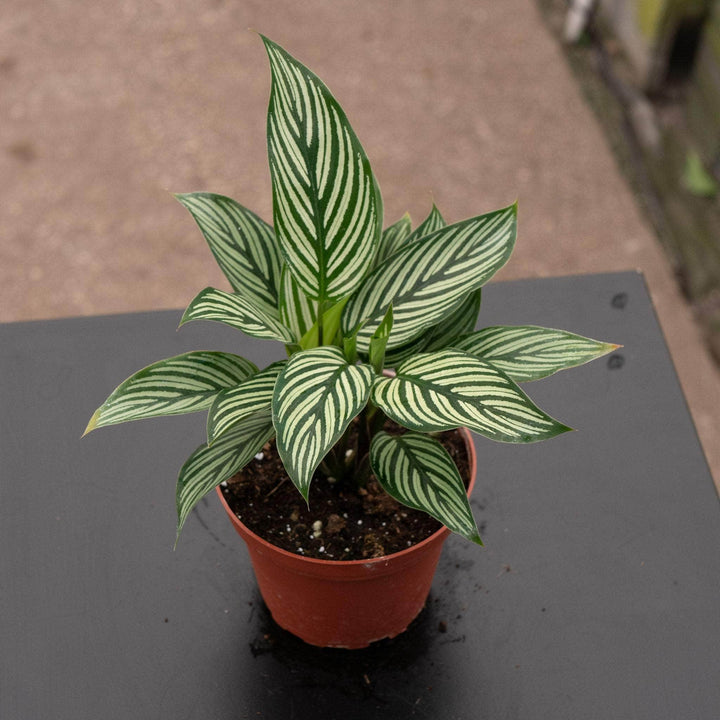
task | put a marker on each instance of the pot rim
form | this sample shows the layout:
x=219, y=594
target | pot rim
x=383, y=559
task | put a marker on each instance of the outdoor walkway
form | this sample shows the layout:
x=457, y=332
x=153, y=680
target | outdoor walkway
x=107, y=107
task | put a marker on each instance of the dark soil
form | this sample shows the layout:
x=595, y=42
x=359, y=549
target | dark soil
x=343, y=522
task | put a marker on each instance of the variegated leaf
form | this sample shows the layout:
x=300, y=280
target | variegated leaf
x=250, y=396
x=316, y=396
x=449, y=388
x=243, y=245
x=297, y=311
x=208, y=466
x=417, y=471
x=326, y=206
x=434, y=221
x=459, y=321
x=393, y=237
x=181, y=384
x=236, y=311
x=427, y=279
x=527, y=352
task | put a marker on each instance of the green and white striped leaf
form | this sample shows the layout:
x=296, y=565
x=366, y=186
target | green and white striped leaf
x=243, y=245
x=447, y=389
x=427, y=279
x=459, y=321
x=393, y=237
x=434, y=221
x=208, y=466
x=236, y=311
x=181, y=384
x=297, y=311
x=527, y=352
x=316, y=396
x=326, y=205
x=250, y=396
x=417, y=471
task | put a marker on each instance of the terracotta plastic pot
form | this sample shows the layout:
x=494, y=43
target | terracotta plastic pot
x=346, y=603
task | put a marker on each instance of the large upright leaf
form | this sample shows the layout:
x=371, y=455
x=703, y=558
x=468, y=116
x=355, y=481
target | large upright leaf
x=418, y=472
x=527, y=352
x=208, y=466
x=316, y=396
x=427, y=279
x=449, y=388
x=243, y=245
x=236, y=311
x=181, y=384
x=250, y=396
x=326, y=206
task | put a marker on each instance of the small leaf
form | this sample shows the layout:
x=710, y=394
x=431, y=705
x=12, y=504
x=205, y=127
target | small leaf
x=208, y=466
x=696, y=179
x=378, y=342
x=236, y=311
x=243, y=245
x=297, y=311
x=434, y=221
x=447, y=389
x=250, y=396
x=527, y=352
x=330, y=327
x=326, y=205
x=181, y=384
x=427, y=279
x=393, y=237
x=418, y=472
x=316, y=396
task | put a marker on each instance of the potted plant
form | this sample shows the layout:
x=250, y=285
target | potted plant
x=383, y=360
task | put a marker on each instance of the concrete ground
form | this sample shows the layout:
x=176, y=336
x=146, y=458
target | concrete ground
x=107, y=106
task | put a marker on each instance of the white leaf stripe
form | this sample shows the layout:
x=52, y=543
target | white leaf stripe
x=449, y=388
x=425, y=280
x=208, y=466
x=251, y=395
x=236, y=311
x=528, y=352
x=297, y=311
x=326, y=209
x=316, y=396
x=243, y=245
x=181, y=384
x=418, y=472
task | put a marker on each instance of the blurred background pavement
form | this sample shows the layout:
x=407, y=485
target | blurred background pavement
x=108, y=107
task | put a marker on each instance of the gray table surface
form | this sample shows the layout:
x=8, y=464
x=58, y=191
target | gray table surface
x=596, y=596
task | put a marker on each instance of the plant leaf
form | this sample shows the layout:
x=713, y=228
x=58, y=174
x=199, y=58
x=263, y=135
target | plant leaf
x=316, y=396
x=459, y=321
x=182, y=384
x=236, y=311
x=417, y=471
x=297, y=311
x=449, y=388
x=434, y=221
x=330, y=327
x=527, y=352
x=427, y=279
x=326, y=206
x=208, y=466
x=244, y=247
x=378, y=342
x=235, y=403
x=393, y=237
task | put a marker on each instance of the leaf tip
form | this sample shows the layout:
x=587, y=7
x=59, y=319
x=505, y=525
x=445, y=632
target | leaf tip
x=93, y=423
